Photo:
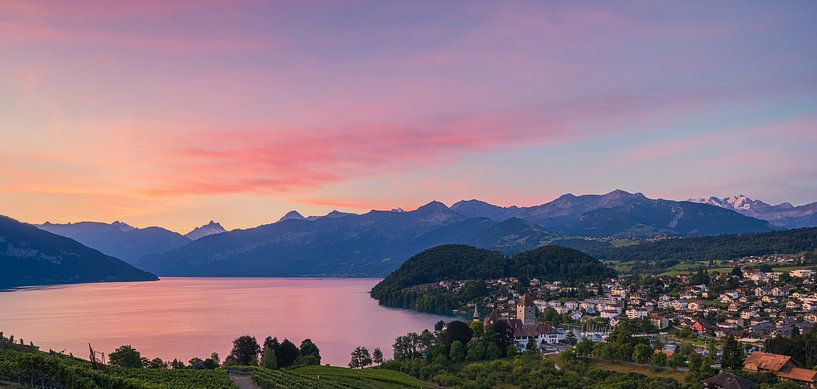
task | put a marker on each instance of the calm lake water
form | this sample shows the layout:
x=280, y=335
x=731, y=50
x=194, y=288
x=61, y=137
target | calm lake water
x=193, y=317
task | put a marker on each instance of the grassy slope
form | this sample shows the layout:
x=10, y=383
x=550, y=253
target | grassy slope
x=364, y=378
x=647, y=371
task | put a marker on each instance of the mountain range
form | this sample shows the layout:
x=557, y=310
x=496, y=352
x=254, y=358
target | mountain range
x=118, y=239
x=371, y=244
x=620, y=214
x=374, y=243
x=783, y=214
x=31, y=256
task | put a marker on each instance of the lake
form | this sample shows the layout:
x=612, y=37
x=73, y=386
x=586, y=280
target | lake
x=193, y=317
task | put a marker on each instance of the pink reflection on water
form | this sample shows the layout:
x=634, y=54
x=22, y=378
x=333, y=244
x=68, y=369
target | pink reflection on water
x=186, y=317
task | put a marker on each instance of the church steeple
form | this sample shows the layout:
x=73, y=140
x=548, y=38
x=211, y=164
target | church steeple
x=476, y=313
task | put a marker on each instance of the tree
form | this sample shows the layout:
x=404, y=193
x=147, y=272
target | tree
x=584, y=348
x=457, y=331
x=245, y=350
x=712, y=350
x=377, y=356
x=475, y=350
x=706, y=369
x=286, y=354
x=360, y=358
x=457, y=352
x=177, y=364
x=438, y=326
x=733, y=355
x=736, y=272
x=211, y=363
x=309, y=353
x=659, y=359
x=477, y=328
x=694, y=361
x=157, y=363
x=501, y=334
x=492, y=351
x=409, y=346
x=642, y=353
x=125, y=356
x=676, y=360
x=268, y=358
x=531, y=345
x=196, y=363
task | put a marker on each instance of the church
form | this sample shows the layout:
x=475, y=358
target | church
x=526, y=326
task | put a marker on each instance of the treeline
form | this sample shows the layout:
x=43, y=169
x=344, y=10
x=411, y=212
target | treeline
x=274, y=354
x=403, y=287
x=704, y=248
x=54, y=370
x=460, y=355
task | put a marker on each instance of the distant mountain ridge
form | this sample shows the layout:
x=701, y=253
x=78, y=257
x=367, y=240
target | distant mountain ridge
x=620, y=213
x=374, y=243
x=119, y=239
x=784, y=214
x=31, y=256
x=371, y=244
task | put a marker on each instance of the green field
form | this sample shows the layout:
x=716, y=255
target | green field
x=330, y=377
x=620, y=367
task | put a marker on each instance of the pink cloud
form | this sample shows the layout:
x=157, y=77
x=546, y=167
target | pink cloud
x=666, y=149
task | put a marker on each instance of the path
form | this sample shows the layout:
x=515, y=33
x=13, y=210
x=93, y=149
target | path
x=243, y=380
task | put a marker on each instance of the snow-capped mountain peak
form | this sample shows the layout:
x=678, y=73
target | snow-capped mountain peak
x=737, y=202
x=211, y=228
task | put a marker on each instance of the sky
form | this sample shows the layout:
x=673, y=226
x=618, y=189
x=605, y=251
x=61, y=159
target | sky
x=174, y=113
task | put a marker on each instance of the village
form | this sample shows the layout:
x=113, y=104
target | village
x=757, y=299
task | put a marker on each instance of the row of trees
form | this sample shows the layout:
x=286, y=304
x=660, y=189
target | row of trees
x=127, y=356
x=246, y=351
x=424, y=354
x=274, y=354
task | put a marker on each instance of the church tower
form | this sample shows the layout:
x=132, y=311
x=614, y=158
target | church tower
x=526, y=310
x=476, y=313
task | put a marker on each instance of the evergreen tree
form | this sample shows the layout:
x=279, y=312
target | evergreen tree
x=531, y=345
x=733, y=354
x=286, y=354
x=377, y=356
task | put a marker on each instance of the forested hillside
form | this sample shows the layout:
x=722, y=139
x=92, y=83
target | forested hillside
x=30, y=256
x=402, y=288
x=704, y=248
